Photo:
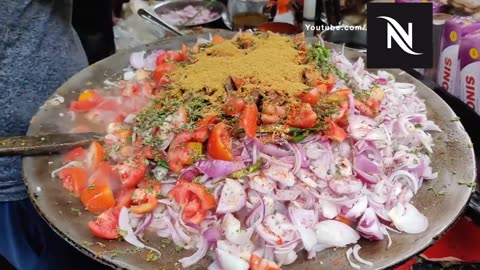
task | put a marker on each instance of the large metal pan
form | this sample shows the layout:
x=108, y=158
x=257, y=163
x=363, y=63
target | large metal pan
x=453, y=159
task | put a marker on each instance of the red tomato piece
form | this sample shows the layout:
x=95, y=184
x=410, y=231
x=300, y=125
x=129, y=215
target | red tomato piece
x=74, y=179
x=76, y=154
x=334, y=132
x=302, y=116
x=161, y=70
x=179, y=153
x=131, y=172
x=203, y=128
x=234, y=106
x=95, y=156
x=338, y=96
x=249, y=118
x=219, y=144
x=197, y=218
x=87, y=100
x=124, y=198
x=329, y=82
x=106, y=225
x=259, y=263
x=97, y=198
x=146, y=206
x=313, y=96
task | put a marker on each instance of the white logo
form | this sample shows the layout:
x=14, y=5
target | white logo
x=402, y=38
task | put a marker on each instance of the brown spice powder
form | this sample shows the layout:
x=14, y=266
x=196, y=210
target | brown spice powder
x=271, y=62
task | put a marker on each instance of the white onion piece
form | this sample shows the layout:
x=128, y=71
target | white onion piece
x=308, y=237
x=369, y=226
x=136, y=59
x=332, y=233
x=352, y=264
x=202, y=248
x=328, y=209
x=124, y=225
x=358, y=208
x=229, y=261
x=408, y=219
x=232, y=230
x=356, y=248
x=404, y=88
x=281, y=174
x=232, y=198
x=345, y=185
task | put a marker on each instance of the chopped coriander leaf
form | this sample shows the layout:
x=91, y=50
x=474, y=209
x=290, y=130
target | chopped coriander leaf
x=151, y=257
x=470, y=145
x=418, y=126
x=472, y=184
x=455, y=119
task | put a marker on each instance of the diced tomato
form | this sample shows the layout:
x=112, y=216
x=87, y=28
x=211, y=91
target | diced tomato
x=302, y=115
x=217, y=39
x=203, y=128
x=341, y=118
x=162, y=58
x=124, y=198
x=338, y=96
x=178, y=152
x=334, y=132
x=161, y=70
x=329, y=82
x=146, y=206
x=106, y=225
x=259, y=263
x=219, y=144
x=248, y=121
x=77, y=154
x=97, y=198
x=181, y=195
x=87, y=100
x=191, y=208
x=95, y=156
x=197, y=218
x=131, y=172
x=234, y=106
x=364, y=109
x=195, y=198
x=312, y=96
x=148, y=153
x=206, y=199
x=193, y=212
x=74, y=179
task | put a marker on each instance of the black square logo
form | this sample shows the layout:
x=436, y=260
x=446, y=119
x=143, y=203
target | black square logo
x=399, y=35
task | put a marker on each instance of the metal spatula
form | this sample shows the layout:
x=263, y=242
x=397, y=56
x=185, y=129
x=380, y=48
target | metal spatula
x=45, y=144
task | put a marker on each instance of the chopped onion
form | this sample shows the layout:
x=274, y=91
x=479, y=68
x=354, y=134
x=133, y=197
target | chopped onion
x=356, y=248
x=369, y=226
x=352, y=264
x=219, y=168
x=332, y=233
x=229, y=261
x=232, y=198
x=136, y=60
x=212, y=234
x=146, y=222
x=202, y=248
x=124, y=225
x=408, y=219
